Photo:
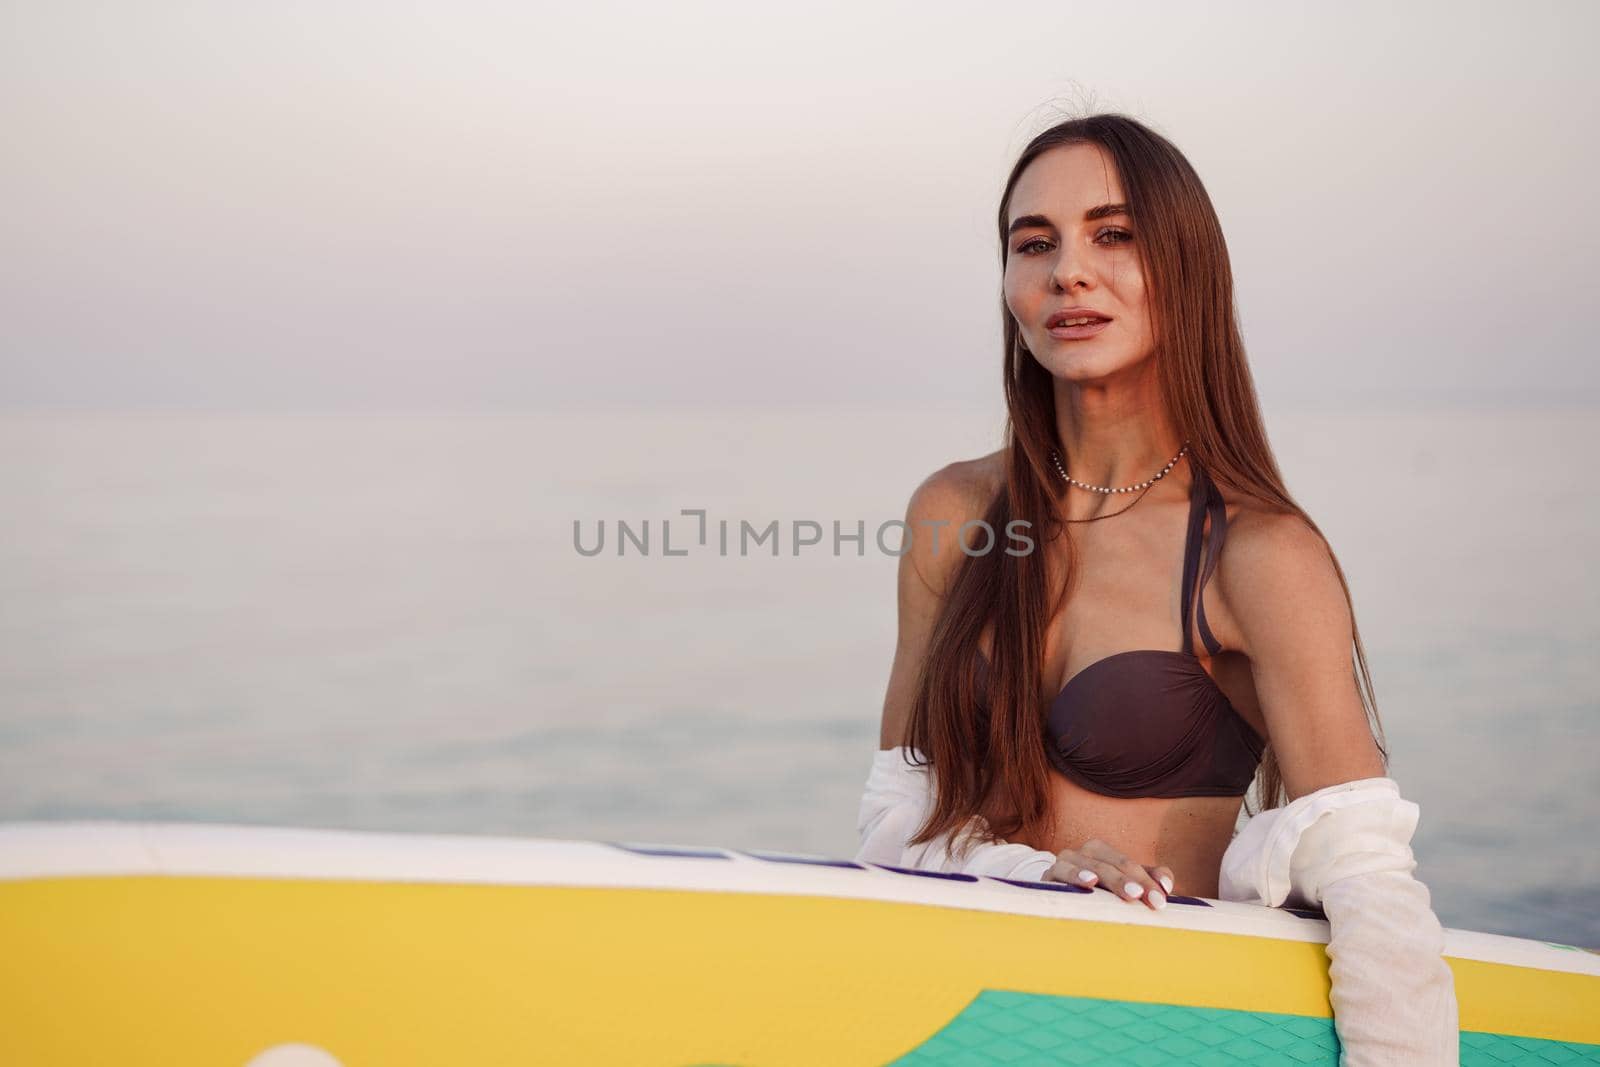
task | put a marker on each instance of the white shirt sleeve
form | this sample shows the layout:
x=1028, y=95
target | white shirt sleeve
x=895, y=802
x=1347, y=848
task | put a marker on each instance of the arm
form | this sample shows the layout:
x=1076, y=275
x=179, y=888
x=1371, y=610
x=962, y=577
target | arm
x=897, y=798
x=898, y=794
x=1343, y=840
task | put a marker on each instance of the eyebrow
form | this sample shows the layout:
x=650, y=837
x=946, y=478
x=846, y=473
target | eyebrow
x=1103, y=211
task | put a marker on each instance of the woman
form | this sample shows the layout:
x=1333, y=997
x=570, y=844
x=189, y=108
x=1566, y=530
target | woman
x=1094, y=699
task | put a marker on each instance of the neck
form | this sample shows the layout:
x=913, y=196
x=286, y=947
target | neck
x=1110, y=436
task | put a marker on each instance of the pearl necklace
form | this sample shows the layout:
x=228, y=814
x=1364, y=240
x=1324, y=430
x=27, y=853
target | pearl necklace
x=1055, y=457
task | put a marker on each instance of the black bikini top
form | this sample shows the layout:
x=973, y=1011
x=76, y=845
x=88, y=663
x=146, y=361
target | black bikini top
x=1152, y=722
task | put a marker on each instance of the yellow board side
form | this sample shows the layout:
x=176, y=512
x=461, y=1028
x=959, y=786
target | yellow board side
x=170, y=971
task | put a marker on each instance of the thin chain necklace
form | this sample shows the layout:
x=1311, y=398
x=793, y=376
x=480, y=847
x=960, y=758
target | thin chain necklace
x=1141, y=488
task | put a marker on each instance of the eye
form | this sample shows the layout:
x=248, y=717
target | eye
x=1122, y=236
x=1036, y=241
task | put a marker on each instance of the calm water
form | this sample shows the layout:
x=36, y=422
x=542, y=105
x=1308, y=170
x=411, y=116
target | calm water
x=382, y=623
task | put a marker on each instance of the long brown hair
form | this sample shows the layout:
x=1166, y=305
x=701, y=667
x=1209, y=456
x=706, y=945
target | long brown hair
x=1001, y=773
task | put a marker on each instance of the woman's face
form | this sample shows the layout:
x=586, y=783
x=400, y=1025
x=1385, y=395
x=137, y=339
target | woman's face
x=1071, y=247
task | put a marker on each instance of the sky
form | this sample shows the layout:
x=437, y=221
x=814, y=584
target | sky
x=472, y=206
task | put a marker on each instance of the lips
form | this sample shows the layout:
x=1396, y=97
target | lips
x=1076, y=316
x=1076, y=323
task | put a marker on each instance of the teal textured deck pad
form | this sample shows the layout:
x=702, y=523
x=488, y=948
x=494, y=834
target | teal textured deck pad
x=1038, y=1030
x=1491, y=1050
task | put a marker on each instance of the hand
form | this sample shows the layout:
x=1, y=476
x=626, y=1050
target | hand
x=1097, y=863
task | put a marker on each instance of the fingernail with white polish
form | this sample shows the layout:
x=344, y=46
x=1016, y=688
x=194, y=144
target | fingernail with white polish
x=1133, y=889
x=1085, y=876
x=1158, y=899
x=1166, y=883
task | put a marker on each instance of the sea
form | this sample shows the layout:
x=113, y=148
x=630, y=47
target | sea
x=528, y=624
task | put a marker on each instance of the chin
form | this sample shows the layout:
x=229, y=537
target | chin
x=1087, y=367
x=1084, y=365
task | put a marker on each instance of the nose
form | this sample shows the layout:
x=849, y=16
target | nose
x=1070, y=270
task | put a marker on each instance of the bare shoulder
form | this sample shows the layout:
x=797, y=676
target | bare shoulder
x=1260, y=535
x=954, y=494
x=1276, y=571
x=960, y=490
x=950, y=496
x=1293, y=622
